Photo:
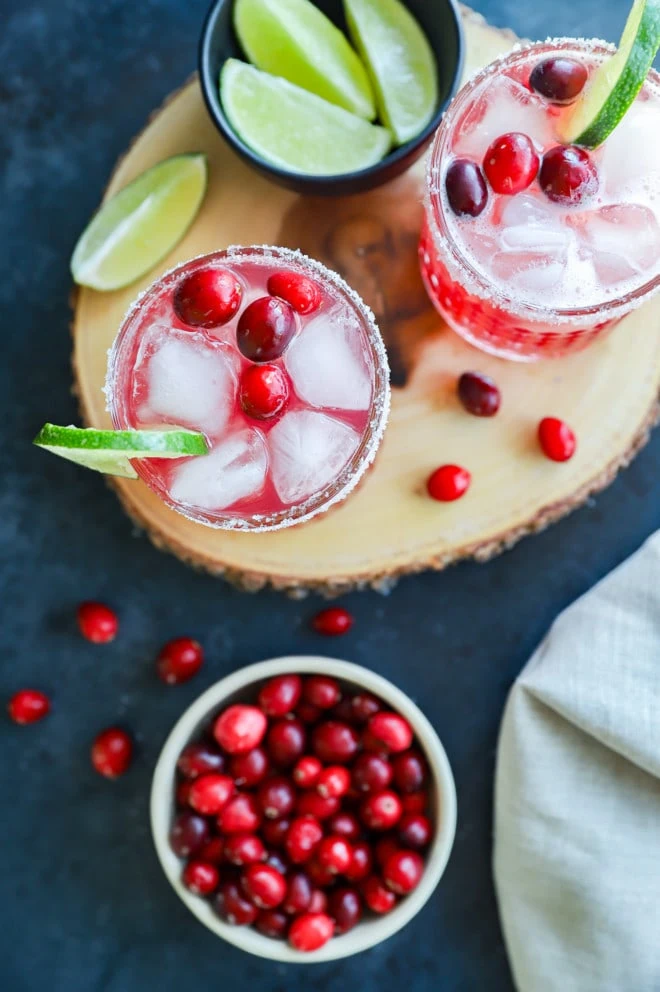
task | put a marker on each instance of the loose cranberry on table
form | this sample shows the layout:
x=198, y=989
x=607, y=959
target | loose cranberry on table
x=448, y=483
x=511, y=163
x=466, y=188
x=112, y=752
x=559, y=79
x=311, y=931
x=265, y=328
x=28, y=706
x=568, y=174
x=179, y=660
x=263, y=391
x=556, y=439
x=240, y=728
x=200, y=877
x=280, y=695
x=333, y=622
x=97, y=622
x=321, y=691
x=249, y=769
x=299, y=291
x=208, y=298
x=479, y=394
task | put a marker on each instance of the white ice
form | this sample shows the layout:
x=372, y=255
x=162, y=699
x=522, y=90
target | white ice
x=631, y=155
x=327, y=364
x=308, y=450
x=533, y=246
x=504, y=106
x=189, y=383
x=623, y=240
x=233, y=470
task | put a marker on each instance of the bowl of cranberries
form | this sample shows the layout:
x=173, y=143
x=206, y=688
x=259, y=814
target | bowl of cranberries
x=303, y=809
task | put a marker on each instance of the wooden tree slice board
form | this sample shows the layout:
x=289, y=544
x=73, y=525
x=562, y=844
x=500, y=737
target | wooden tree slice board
x=389, y=527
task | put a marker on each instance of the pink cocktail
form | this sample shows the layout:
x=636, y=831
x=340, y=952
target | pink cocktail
x=533, y=274
x=277, y=362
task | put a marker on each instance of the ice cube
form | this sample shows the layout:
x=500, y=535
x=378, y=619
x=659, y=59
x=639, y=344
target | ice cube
x=623, y=240
x=631, y=154
x=533, y=246
x=308, y=450
x=327, y=364
x=188, y=382
x=504, y=106
x=234, y=469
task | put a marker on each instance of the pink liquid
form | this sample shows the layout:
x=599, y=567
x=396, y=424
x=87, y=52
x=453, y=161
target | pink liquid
x=530, y=278
x=285, y=469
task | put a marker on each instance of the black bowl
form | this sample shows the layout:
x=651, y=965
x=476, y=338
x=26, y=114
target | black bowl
x=442, y=24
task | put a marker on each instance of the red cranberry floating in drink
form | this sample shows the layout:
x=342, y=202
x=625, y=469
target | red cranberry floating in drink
x=568, y=175
x=559, y=79
x=403, y=871
x=264, y=886
x=335, y=742
x=210, y=793
x=97, y=622
x=249, y=769
x=28, y=706
x=448, y=483
x=333, y=622
x=479, y=394
x=233, y=906
x=240, y=728
x=345, y=908
x=208, y=298
x=200, y=877
x=302, y=293
x=112, y=752
x=188, y=835
x=511, y=163
x=307, y=771
x=556, y=439
x=264, y=391
x=280, y=695
x=303, y=838
x=321, y=691
x=199, y=759
x=311, y=931
x=466, y=188
x=378, y=898
x=391, y=730
x=265, y=329
x=381, y=810
x=179, y=660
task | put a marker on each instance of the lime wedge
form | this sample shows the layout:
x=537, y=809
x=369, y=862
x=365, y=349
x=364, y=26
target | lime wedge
x=110, y=451
x=137, y=227
x=295, y=40
x=617, y=81
x=295, y=129
x=400, y=61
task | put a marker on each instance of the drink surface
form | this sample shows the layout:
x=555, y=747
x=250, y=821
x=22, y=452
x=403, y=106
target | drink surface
x=259, y=472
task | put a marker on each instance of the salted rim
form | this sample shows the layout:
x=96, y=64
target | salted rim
x=459, y=266
x=347, y=480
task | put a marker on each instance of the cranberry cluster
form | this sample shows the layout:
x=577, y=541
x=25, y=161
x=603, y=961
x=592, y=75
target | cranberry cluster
x=211, y=297
x=298, y=813
x=566, y=173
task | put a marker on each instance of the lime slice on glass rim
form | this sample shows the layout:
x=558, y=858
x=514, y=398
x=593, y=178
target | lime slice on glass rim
x=295, y=40
x=400, y=61
x=110, y=451
x=139, y=225
x=617, y=81
x=294, y=129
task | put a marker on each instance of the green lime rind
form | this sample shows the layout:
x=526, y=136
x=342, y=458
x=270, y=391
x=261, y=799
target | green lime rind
x=400, y=61
x=295, y=40
x=294, y=129
x=618, y=80
x=133, y=230
x=109, y=451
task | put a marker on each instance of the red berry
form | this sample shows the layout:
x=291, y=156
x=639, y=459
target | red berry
x=213, y=851
x=345, y=824
x=233, y=905
x=264, y=885
x=277, y=861
x=240, y=728
x=377, y=897
x=188, y=835
x=98, y=623
x=371, y=773
x=298, y=894
x=510, y=163
x=333, y=622
x=343, y=710
x=479, y=394
x=403, y=871
x=557, y=440
x=466, y=187
x=559, y=79
x=244, y=849
x=199, y=759
x=319, y=901
x=363, y=706
x=277, y=797
x=414, y=802
x=333, y=782
x=361, y=862
x=321, y=876
x=210, y=793
x=304, y=836
x=286, y=742
x=200, y=877
x=241, y=815
x=179, y=660
x=182, y=794
x=381, y=810
x=415, y=830
x=265, y=328
x=409, y=771
x=249, y=769
x=274, y=832
x=449, y=482
x=334, y=854
x=207, y=298
x=112, y=752
x=272, y=923
x=335, y=742
x=321, y=691
x=308, y=713
x=264, y=391
x=568, y=174
x=312, y=804
x=345, y=907
x=301, y=292
x=385, y=848
x=280, y=695
x=391, y=730
x=28, y=706
x=311, y=931
x=307, y=771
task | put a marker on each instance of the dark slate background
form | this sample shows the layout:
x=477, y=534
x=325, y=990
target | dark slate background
x=85, y=907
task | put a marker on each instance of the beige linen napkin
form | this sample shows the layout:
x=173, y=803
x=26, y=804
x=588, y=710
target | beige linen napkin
x=577, y=802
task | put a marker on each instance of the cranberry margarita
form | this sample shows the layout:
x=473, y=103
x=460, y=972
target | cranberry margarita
x=530, y=247
x=277, y=362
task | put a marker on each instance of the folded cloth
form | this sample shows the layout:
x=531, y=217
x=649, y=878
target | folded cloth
x=577, y=795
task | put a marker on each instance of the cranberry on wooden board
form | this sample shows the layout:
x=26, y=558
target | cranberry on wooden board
x=179, y=660
x=188, y=834
x=559, y=79
x=304, y=836
x=361, y=862
x=233, y=906
x=321, y=691
x=557, y=440
x=207, y=298
x=97, y=622
x=112, y=752
x=391, y=730
x=333, y=622
x=272, y=923
x=371, y=772
x=409, y=771
x=466, y=188
x=311, y=931
x=210, y=793
x=28, y=706
x=479, y=394
x=402, y=872
x=263, y=391
x=200, y=877
x=244, y=849
x=280, y=695
x=307, y=770
x=511, y=163
x=264, y=886
x=240, y=728
x=277, y=797
x=286, y=741
x=241, y=815
x=378, y=898
x=310, y=803
x=301, y=292
x=335, y=742
x=381, y=810
x=265, y=329
x=448, y=483
x=249, y=769
x=199, y=759
x=345, y=907
x=568, y=174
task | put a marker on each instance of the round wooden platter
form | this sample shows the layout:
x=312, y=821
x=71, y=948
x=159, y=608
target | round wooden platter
x=389, y=527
